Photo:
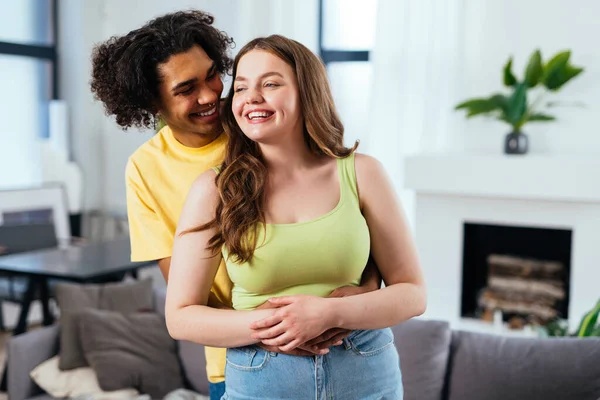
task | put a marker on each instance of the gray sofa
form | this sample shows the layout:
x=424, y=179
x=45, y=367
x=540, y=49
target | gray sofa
x=437, y=364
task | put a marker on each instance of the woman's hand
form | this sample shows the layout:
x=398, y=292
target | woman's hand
x=305, y=350
x=297, y=320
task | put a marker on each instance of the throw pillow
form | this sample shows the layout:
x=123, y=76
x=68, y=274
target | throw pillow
x=124, y=297
x=76, y=382
x=192, y=355
x=133, y=350
x=423, y=347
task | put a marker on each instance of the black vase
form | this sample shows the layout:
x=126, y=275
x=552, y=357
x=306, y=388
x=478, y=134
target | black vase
x=516, y=143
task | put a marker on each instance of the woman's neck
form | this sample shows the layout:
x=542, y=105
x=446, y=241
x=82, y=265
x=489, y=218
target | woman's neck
x=289, y=155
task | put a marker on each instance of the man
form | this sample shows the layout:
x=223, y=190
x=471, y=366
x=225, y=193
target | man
x=170, y=70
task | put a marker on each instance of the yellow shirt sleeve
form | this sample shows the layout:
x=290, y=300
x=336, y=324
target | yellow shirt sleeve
x=150, y=236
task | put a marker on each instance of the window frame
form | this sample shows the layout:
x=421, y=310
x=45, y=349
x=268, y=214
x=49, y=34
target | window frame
x=40, y=52
x=332, y=55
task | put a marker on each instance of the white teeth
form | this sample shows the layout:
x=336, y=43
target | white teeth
x=258, y=114
x=207, y=113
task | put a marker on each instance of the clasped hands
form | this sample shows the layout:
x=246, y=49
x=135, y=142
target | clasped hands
x=301, y=324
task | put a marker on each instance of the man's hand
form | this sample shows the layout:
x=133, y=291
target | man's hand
x=335, y=336
x=346, y=291
x=299, y=319
x=299, y=351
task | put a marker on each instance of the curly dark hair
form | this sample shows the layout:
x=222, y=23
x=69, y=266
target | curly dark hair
x=124, y=68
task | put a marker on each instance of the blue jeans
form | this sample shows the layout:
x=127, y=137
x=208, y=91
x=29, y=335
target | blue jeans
x=216, y=390
x=365, y=367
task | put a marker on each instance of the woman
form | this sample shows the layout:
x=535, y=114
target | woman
x=295, y=214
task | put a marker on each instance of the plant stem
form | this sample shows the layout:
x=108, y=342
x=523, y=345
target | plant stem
x=530, y=110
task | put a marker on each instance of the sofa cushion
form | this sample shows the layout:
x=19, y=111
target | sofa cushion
x=73, y=383
x=191, y=355
x=423, y=347
x=42, y=397
x=495, y=367
x=130, y=351
x=72, y=298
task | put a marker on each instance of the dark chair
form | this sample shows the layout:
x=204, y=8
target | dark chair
x=18, y=239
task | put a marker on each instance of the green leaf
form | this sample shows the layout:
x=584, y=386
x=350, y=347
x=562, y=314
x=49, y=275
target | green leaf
x=596, y=332
x=539, y=117
x=471, y=103
x=517, y=104
x=553, y=69
x=478, y=106
x=509, y=77
x=501, y=101
x=557, y=62
x=556, y=327
x=563, y=76
x=588, y=322
x=534, y=70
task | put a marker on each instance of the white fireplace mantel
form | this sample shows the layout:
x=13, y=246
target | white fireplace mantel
x=503, y=176
x=531, y=190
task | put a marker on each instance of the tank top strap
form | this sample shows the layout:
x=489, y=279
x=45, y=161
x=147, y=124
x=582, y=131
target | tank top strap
x=347, y=176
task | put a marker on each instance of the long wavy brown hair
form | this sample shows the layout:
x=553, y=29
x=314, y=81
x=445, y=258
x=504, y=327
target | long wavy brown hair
x=241, y=182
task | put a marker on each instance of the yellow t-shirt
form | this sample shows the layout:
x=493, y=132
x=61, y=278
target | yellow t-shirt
x=158, y=177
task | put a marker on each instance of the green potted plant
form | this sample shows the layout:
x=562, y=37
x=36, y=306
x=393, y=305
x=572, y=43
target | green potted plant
x=514, y=108
x=588, y=327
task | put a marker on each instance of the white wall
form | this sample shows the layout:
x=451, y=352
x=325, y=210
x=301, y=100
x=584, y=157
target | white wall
x=494, y=30
x=99, y=146
x=80, y=27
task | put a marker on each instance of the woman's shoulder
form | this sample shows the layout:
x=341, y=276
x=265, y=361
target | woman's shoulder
x=201, y=202
x=204, y=186
x=366, y=165
x=370, y=177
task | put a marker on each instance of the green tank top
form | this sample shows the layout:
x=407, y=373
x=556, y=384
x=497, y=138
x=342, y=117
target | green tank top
x=313, y=257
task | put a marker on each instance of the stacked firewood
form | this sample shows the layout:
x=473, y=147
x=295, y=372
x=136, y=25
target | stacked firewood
x=523, y=287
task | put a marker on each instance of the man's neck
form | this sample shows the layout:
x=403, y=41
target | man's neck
x=194, y=140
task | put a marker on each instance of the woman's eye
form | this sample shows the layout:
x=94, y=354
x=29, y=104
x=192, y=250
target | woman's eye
x=270, y=84
x=187, y=91
x=237, y=90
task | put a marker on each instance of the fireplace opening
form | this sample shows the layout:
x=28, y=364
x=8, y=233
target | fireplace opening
x=523, y=272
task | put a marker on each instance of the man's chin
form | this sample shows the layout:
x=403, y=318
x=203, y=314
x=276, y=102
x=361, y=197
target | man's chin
x=204, y=130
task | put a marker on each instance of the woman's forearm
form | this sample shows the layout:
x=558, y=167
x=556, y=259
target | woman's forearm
x=379, y=309
x=213, y=327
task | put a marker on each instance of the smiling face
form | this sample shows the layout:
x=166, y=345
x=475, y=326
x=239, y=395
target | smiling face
x=190, y=90
x=266, y=102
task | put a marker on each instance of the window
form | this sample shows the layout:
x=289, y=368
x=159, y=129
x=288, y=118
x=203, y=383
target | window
x=346, y=37
x=28, y=66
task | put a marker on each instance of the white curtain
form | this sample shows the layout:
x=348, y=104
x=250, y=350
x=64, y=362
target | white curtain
x=416, y=60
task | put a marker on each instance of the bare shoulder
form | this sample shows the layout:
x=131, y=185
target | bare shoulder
x=201, y=202
x=205, y=182
x=204, y=188
x=367, y=167
x=371, y=179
